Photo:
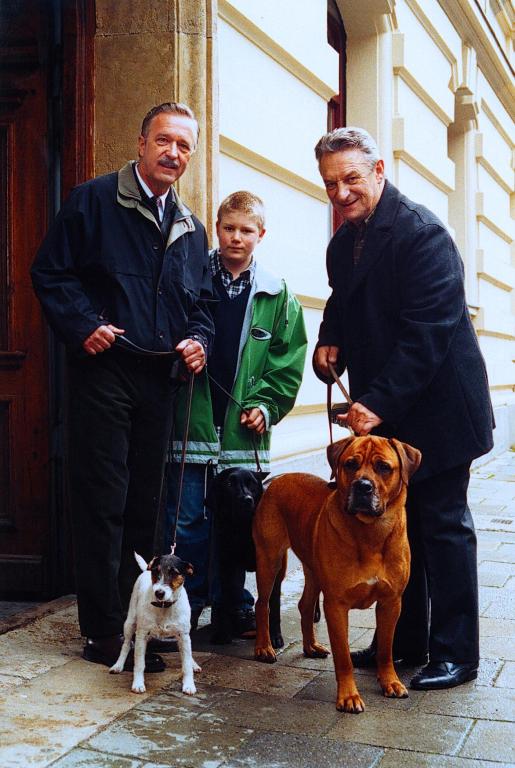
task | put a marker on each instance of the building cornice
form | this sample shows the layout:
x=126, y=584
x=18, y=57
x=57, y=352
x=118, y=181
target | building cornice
x=473, y=26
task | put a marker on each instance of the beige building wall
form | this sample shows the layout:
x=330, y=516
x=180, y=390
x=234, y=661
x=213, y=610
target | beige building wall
x=276, y=75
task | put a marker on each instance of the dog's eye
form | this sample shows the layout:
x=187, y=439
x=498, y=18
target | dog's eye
x=383, y=467
x=351, y=464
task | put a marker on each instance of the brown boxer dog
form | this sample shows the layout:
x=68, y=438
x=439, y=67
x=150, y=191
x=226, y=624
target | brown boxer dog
x=353, y=546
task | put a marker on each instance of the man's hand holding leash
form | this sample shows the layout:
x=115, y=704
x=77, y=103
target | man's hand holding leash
x=360, y=419
x=101, y=339
x=193, y=354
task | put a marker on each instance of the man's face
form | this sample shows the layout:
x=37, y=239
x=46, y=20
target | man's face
x=353, y=187
x=238, y=234
x=165, y=152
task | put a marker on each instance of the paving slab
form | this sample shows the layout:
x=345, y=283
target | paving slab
x=408, y=729
x=266, y=713
x=491, y=741
x=494, y=574
x=88, y=758
x=395, y=758
x=165, y=740
x=275, y=750
x=506, y=677
x=479, y=702
x=273, y=679
x=54, y=711
x=323, y=688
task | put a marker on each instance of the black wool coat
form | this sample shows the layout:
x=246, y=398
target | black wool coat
x=400, y=320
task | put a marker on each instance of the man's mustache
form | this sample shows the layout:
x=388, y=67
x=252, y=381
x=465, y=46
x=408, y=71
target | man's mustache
x=174, y=164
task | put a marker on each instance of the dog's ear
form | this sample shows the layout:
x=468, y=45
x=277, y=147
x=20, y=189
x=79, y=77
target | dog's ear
x=409, y=458
x=335, y=450
x=186, y=568
x=154, y=562
x=261, y=475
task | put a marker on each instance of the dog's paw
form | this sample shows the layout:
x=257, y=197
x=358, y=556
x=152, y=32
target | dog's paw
x=196, y=667
x=189, y=688
x=394, y=689
x=277, y=641
x=266, y=654
x=138, y=688
x=116, y=668
x=316, y=651
x=351, y=703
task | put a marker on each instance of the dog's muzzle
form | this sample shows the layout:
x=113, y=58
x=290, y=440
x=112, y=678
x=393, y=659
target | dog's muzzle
x=363, y=499
x=162, y=603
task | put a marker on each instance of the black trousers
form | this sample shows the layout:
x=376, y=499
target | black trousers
x=440, y=605
x=120, y=414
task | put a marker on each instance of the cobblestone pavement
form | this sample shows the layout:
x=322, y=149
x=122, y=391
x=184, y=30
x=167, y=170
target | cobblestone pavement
x=57, y=709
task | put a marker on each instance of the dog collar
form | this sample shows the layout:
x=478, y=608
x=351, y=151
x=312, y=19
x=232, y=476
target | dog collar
x=162, y=603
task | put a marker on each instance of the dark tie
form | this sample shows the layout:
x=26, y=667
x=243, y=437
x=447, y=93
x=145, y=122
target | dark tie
x=168, y=214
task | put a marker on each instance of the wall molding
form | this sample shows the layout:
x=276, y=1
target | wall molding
x=489, y=168
x=311, y=302
x=437, y=39
x=400, y=69
x=248, y=29
x=269, y=168
x=484, y=219
x=423, y=170
x=495, y=334
x=473, y=26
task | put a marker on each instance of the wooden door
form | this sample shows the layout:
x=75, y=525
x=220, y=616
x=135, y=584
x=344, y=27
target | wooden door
x=45, y=149
x=24, y=172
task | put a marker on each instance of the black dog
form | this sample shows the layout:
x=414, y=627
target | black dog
x=233, y=496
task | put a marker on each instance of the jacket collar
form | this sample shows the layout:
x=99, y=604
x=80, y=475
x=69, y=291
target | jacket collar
x=378, y=236
x=267, y=282
x=264, y=281
x=129, y=196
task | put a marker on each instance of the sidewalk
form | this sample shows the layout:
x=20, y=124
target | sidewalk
x=57, y=709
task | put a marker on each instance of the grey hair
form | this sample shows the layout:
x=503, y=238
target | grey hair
x=169, y=107
x=348, y=138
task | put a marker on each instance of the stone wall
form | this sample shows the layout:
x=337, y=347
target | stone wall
x=147, y=53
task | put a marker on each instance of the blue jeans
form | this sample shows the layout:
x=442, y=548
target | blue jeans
x=194, y=540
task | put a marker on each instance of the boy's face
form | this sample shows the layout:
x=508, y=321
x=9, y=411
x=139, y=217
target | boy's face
x=238, y=234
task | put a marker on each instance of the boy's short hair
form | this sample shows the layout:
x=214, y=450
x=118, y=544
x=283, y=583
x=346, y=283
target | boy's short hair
x=244, y=202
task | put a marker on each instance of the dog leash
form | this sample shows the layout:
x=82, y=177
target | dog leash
x=136, y=349
x=331, y=414
x=245, y=410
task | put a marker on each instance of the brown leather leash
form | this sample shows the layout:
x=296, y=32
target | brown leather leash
x=245, y=410
x=333, y=411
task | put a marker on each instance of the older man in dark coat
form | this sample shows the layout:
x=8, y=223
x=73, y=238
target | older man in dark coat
x=397, y=320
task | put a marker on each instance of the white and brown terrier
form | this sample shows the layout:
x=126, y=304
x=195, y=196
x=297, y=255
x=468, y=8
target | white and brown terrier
x=159, y=607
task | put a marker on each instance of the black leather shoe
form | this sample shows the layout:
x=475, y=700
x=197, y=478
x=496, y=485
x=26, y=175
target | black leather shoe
x=244, y=624
x=105, y=650
x=443, y=674
x=366, y=659
x=163, y=645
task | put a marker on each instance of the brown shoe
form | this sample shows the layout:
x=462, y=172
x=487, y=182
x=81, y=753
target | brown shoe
x=105, y=650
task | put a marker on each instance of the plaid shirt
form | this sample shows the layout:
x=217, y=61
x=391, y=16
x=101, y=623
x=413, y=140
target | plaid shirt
x=233, y=287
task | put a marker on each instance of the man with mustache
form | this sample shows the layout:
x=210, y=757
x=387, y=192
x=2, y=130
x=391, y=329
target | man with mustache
x=123, y=277
x=397, y=320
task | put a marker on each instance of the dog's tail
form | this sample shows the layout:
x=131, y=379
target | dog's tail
x=142, y=564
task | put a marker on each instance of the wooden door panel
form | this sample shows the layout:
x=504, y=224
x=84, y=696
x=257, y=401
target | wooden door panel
x=24, y=178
